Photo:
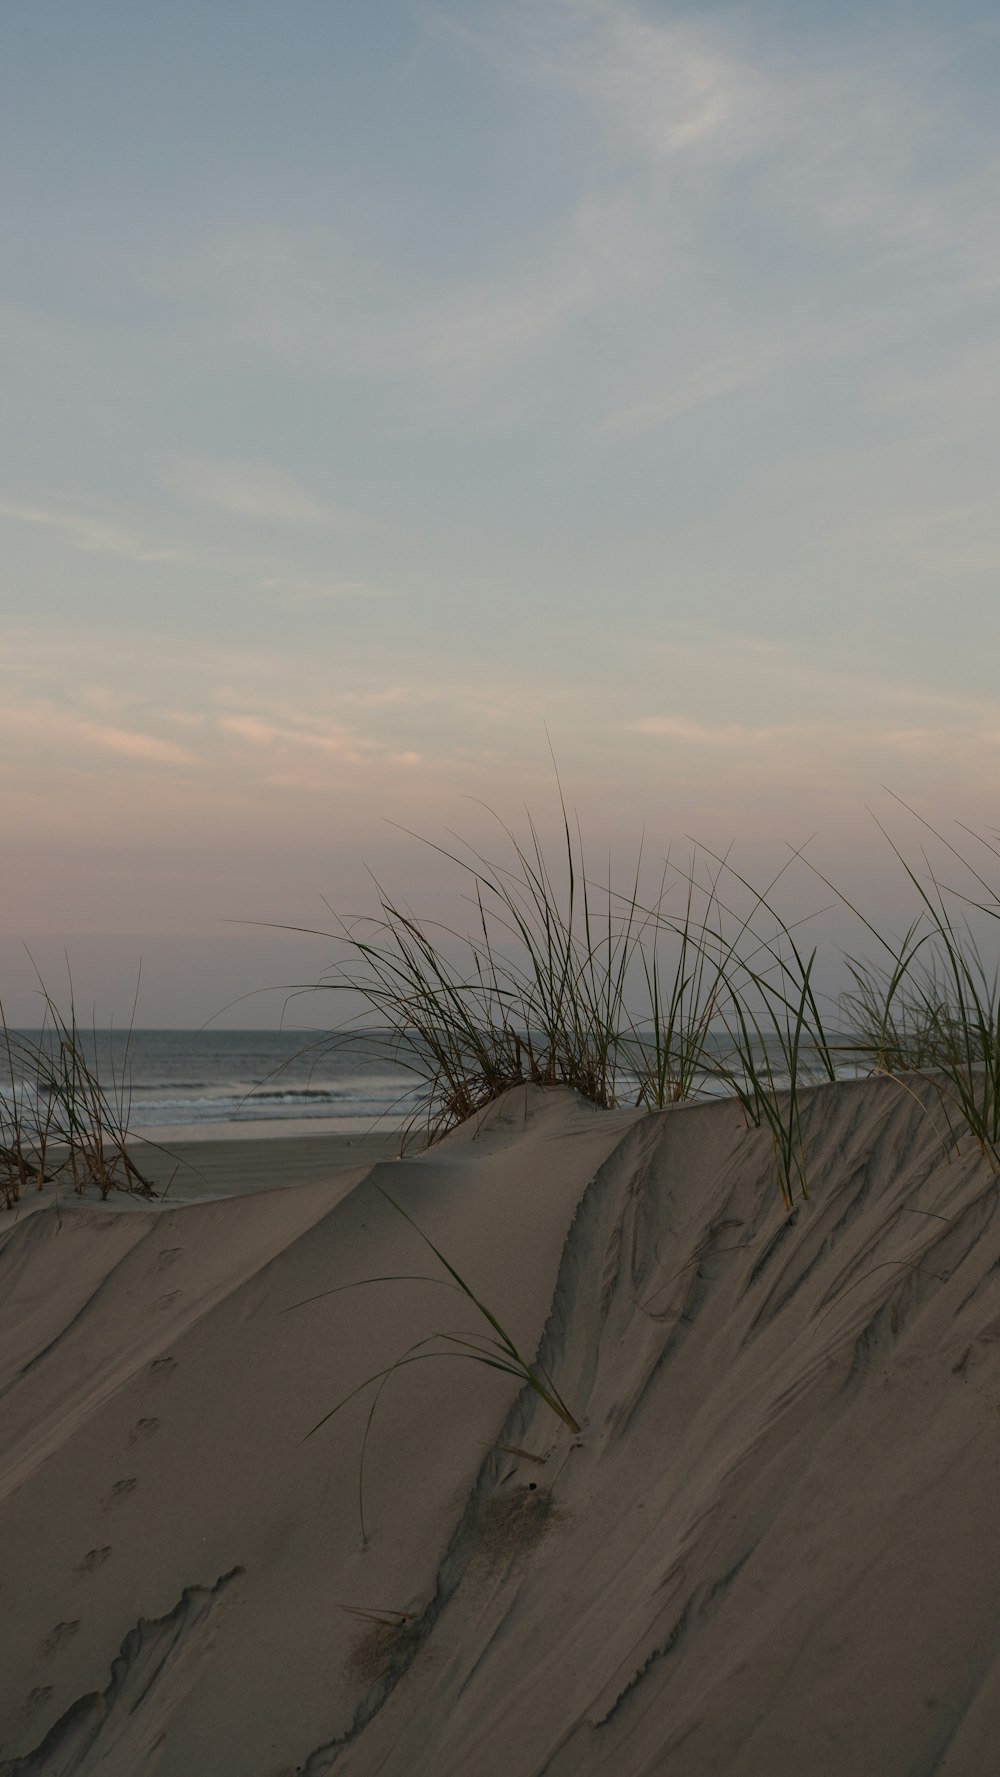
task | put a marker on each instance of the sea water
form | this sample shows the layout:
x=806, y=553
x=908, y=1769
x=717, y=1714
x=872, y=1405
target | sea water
x=169, y=1078
x=166, y=1079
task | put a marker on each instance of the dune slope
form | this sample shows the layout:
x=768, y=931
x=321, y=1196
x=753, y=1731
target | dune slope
x=772, y=1548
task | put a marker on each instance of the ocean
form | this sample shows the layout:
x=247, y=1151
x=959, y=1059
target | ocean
x=173, y=1078
x=170, y=1079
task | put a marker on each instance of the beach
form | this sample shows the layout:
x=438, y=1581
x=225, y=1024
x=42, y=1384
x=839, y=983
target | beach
x=500, y=931
x=769, y=1547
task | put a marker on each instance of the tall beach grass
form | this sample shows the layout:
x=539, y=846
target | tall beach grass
x=931, y=1002
x=63, y=1119
x=699, y=986
x=702, y=987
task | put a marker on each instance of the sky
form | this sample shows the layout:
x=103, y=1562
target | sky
x=397, y=396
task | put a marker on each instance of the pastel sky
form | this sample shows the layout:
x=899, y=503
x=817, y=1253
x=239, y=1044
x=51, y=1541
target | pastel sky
x=385, y=383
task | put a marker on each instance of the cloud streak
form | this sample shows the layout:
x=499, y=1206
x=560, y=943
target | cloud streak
x=669, y=88
x=731, y=736
x=42, y=730
x=91, y=534
x=256, y=492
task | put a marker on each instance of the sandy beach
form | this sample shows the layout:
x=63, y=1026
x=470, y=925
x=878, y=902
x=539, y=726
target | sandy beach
x=771, y=1548
x=500, y=916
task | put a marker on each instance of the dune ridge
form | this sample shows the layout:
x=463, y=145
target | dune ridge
x=772, y=1548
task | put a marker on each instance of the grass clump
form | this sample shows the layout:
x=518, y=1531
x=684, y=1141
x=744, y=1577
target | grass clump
x=536, y=995
x=701, y=988
x=932, y=1003
x=776, y=1039
x=558, y=980
x=565, y=980
x=60, y=1121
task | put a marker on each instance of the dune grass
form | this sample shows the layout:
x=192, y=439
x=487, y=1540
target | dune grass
x=60, y=1121
x=778, y=1040
x=493, y=1350
x=563, y=979
x=932, y=1003
x=559, y=979
x=700, y=987
x=534, y=991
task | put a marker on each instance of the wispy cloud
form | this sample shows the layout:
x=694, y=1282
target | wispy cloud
x=38, y=727
x=710, y=381
x=666, y=86
x=683, y=124
x=282, y=291
x=599, y=252
x=309, y=753
x=834, y=141
x=841, y=680
x=131, y=745
x=257, y=492
x=91, y=533
x=295, y=590
x=705, y=734
x=806, y=749
x=263, y=732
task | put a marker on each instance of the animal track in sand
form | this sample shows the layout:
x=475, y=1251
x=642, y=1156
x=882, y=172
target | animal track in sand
x=169, y=1299
x=57, y=1637
x=93, y=1559
x=161, y=1367
x=143, y=1428
x=166, y=1258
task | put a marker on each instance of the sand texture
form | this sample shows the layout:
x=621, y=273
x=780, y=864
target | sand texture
x=774, y=1547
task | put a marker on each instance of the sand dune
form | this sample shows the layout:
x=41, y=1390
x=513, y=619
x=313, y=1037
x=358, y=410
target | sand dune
x=773, y=1547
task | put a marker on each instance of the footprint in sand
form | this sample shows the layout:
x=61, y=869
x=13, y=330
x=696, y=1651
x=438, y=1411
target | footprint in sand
x=143, y=1428
x=119, y=1491
x=166, y=1258
x=93, y=1559
x=168, y=1300
x=34, y=1700
x=162, y=1366
x=57, y=1637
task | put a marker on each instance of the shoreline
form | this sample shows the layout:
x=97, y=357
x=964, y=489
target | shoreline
x=266, y=1129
